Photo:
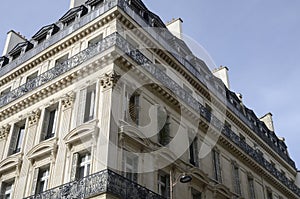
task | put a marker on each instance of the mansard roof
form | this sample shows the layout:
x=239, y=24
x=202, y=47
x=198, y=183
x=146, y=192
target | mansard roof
x=44, y=31
x=26, y=45
x=82, y=10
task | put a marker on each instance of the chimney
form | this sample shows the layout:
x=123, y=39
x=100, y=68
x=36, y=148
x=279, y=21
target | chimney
x=268, y=120
x=175, y=27
x=222, y=73
x=75, y=3
x=12, y=39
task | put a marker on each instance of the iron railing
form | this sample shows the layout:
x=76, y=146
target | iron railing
x=102, y=182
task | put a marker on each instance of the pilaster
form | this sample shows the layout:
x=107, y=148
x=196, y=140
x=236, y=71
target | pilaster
x=104, y=158
x=4, y=131
x=28, y=143
x=67, y=103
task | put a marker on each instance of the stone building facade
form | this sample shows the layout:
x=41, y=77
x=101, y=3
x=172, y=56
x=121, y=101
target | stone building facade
x=108, y=103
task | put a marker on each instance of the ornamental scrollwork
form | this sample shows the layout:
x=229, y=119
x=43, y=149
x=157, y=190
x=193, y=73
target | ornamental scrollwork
x=34, y=117
x=109, y=80
x=68, y=100
x=4, y=131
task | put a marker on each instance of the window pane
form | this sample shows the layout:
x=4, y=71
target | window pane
x=20, y=138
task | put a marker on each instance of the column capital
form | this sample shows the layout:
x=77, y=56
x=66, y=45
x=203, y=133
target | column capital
x=109, y=80
x=68, y=100
x=34, y=116
x=4, y=131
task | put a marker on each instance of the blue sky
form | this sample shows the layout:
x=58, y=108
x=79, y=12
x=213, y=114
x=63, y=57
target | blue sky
x=259, y=41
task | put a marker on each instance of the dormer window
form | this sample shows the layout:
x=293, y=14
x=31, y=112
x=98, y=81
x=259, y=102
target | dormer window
x=94, y=3
x=42, y=34
x=19, y=48
x=72, y=14
x=3, y=61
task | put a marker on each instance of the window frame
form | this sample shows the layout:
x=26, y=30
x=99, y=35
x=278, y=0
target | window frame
x=17, y=138
x=47, y=120
x=166, y=184
x=4, y=191
x=217, y=165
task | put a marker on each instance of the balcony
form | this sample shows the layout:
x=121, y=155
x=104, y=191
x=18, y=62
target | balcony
x=102, y=182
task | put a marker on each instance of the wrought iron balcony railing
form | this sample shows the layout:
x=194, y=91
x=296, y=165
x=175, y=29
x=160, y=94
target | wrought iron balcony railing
x=102, y=182
x=58, y=70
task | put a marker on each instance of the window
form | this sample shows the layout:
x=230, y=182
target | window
x=43, y=180
x=242, y=138
x=236, y=179
x=130, y=165
x=42, y=38
x=86, y=104
x=187, y=89
x=163, y=124
x=16, y=55
x=163, y=184
x=17, y=138
x=269, y=194
x=61, y=60
x=5, y=91
x=49, y=123
x=32, y=77
x=159, y=66
x=227, y=124
x=217, y=166
x=40, y=180
x=95, y=40
x=196, y=194
x=7, y=189
x=194, y=152
x=96, y=4
x=251, y=187
x=81, y=165
x=134, y=44
x=133, y=108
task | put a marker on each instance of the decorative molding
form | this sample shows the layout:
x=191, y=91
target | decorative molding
x=12, y=163
x=68, y=100
x=44, y=149
x=109, y=80
x=4, y=131
x=34, y=117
